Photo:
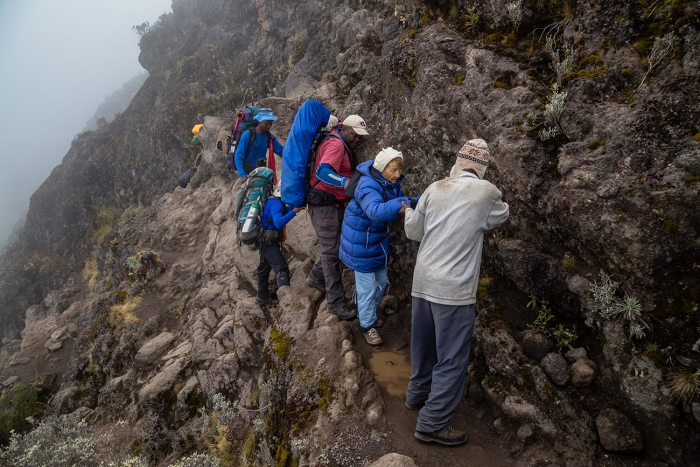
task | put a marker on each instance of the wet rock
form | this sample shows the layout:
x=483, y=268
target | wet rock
x=393, y=460
x=616, y=432
x=575, y=354
x=583, y=372
x=556, y=369
x=536, y=346
x=153, y=349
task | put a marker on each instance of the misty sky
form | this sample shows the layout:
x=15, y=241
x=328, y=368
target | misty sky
x=58, y=61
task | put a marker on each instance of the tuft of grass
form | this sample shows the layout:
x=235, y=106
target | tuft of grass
x=684, y=385
x=104, y=219
x=124, y=312
x=460, y=80
x=90, y=272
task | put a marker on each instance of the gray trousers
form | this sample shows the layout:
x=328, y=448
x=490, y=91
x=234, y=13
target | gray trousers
x=440, y=340
x=327, y=221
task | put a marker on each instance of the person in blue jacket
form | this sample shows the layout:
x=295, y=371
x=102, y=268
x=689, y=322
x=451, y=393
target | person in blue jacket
x=364, y=238
x=275, y=216
x=254, y=143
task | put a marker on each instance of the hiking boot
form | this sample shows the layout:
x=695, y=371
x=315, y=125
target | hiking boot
x=410, y=406
x=312, y=282
x=373, y=337
x=268, y=302
x=345, y=313
x=448, y=436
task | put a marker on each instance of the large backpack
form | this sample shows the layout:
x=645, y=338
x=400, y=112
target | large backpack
x=305, y=135
x=256, y=190
x=245, y=120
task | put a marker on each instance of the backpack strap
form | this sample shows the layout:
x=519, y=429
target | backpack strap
x=253, y=134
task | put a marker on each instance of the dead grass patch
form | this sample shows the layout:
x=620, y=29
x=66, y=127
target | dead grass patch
x=90, y=272
x=123, y=314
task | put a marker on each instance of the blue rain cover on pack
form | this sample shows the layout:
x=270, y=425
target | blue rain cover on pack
x=310, y=117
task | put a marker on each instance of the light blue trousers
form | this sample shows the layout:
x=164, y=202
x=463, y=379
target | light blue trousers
x=369, y=287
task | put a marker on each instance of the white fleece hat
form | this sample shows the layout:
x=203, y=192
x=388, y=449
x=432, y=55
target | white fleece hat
x=385, y=156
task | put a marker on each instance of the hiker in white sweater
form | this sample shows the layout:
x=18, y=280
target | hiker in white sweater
x=449, y=221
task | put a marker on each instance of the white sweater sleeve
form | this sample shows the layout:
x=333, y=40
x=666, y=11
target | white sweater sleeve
x=415, y=223
x=498, y=215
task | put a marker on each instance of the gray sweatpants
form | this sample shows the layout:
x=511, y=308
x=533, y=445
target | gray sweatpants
x=440, y=340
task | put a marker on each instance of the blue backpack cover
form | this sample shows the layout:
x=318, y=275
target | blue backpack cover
x=311, y=117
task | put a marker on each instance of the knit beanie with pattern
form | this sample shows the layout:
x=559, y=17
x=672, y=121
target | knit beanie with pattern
x=473, y=155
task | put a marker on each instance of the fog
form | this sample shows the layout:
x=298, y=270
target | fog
x=58, y=61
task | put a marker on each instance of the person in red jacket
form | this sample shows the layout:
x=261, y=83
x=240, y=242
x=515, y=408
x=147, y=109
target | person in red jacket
x=333, y=167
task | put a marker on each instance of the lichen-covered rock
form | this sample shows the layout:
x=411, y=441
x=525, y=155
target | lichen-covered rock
x=556, y=369
x=583, y=372
x=616, y=432
x=536, y=345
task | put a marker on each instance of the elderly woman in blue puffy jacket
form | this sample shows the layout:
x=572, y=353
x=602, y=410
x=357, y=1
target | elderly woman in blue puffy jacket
x=364, y=241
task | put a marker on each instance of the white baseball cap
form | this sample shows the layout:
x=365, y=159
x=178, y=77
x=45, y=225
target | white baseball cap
x=356, y=123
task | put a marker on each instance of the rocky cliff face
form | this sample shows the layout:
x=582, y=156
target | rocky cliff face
x=614, y=190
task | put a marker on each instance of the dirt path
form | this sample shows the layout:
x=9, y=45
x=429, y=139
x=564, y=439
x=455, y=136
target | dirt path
x=484, y=448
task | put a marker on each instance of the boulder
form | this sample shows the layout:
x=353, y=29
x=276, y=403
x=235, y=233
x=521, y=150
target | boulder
x=393, y=460
x=153, y=349
x=575, y=354
x=616, y=432
x=583, y=372
x=536, y=345
x=556, y=369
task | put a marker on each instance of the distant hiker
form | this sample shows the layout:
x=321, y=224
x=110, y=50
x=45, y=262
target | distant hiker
x=184, y=178
x=333, y=167
x=275, y=217
x=252, y=149
x=364, y=242
x=449, y=221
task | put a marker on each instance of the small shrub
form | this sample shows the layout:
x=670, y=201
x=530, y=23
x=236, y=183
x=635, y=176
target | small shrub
x=460, y=80
x=104, y=219
x=281, y=342
x=15, y=407
x=609, y=306
x=565, y=337
x=568, y=262
x=661, y=48
x=514, y=10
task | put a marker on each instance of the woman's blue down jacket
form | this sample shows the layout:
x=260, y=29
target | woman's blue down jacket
x=364, y=238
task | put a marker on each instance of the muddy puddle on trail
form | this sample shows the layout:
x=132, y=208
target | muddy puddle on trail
x=392, y=371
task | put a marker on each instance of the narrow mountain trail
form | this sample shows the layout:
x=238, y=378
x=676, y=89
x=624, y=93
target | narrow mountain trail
x=390, y=366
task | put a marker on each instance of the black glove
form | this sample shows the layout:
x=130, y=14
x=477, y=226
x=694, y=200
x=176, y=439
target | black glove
x=414, y=203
